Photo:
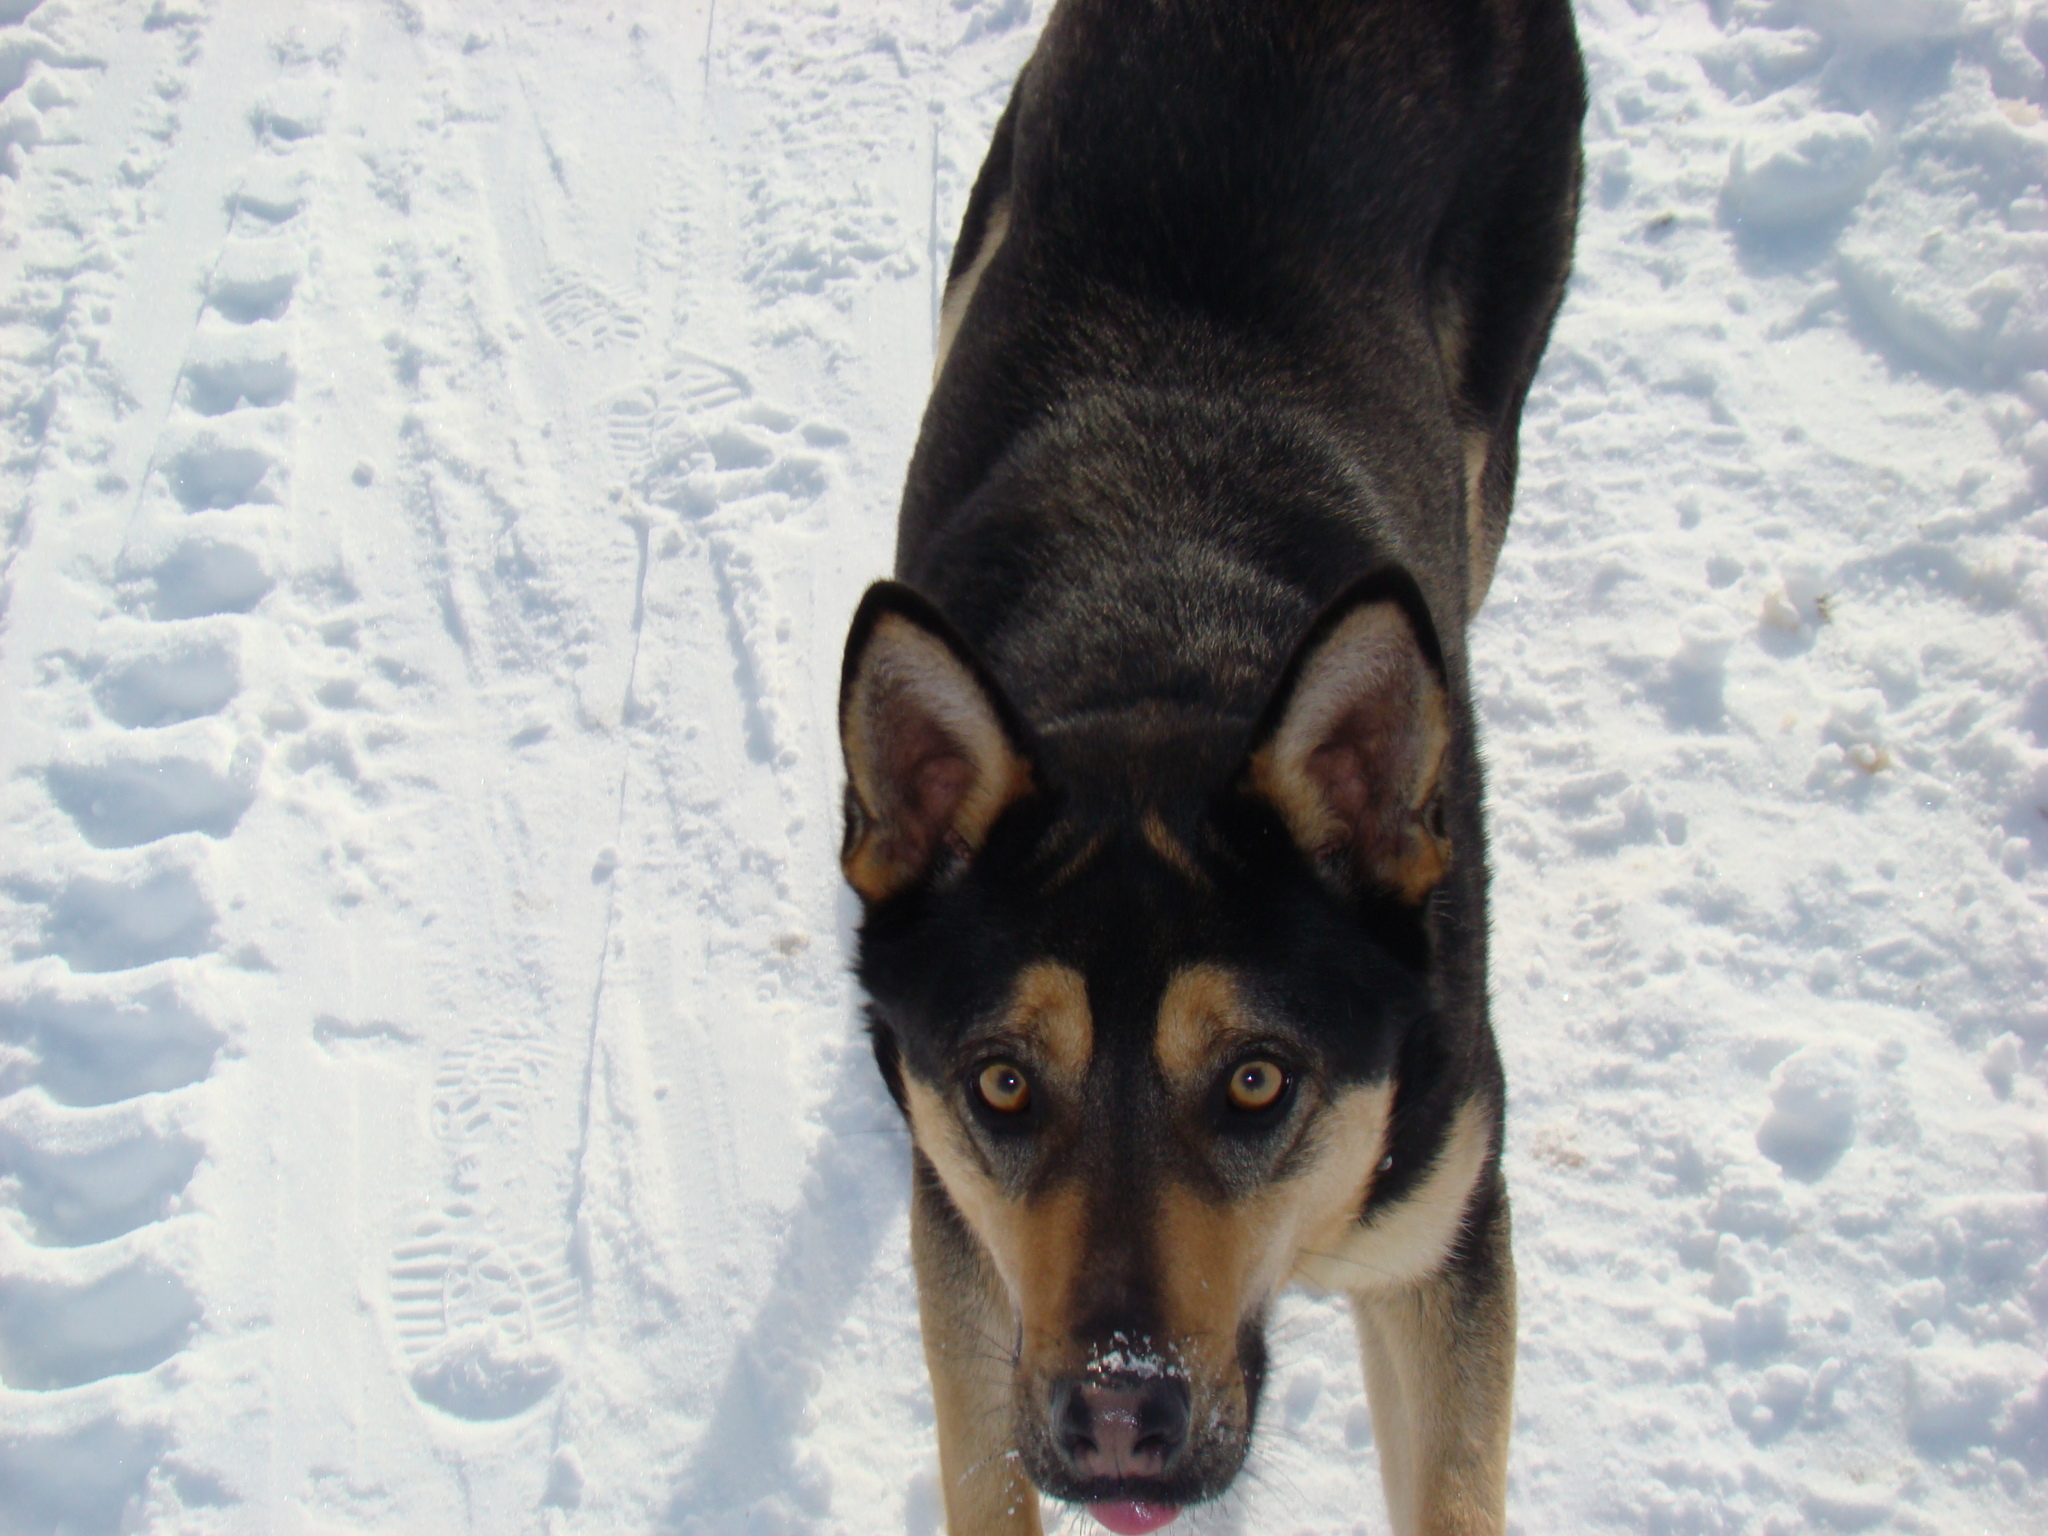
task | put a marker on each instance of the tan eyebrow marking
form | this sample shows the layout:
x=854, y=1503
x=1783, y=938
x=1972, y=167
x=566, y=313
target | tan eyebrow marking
x=1049, y=1008
x=1200, y=1007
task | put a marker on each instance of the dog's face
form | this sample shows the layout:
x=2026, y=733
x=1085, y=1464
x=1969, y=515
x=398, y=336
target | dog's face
x=1139, y=985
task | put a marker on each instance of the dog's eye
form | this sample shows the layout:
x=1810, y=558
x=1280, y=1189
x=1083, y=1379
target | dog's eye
x=1004, y=1088
x=1256, y=1086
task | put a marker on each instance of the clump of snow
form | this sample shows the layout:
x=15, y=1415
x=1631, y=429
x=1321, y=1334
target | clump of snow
x=474, y=1376
x=1812, y=168
x=1879, y=23
x=1813, y=1112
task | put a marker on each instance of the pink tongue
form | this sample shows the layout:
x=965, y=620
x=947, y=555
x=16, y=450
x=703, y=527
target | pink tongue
x=1129, y=1517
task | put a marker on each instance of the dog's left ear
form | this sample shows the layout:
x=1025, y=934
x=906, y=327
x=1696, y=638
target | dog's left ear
x=1351, y=748
x=934, y=753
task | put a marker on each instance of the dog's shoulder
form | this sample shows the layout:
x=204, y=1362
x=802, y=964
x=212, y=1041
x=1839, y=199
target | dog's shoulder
x=1324, y=240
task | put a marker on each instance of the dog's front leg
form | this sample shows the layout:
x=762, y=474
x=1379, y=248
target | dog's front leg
x=1439, y=1371
x=969, y=1347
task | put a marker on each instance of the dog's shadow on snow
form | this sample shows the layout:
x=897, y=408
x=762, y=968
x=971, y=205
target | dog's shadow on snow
x=747, y=1473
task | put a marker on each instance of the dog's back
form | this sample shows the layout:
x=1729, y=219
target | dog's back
x=1163, y=796
x=1288, y=266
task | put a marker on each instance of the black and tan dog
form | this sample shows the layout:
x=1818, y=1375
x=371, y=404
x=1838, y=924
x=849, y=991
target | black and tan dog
x=1163, y=800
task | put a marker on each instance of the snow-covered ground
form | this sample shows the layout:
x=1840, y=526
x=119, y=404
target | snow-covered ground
x=442, y=444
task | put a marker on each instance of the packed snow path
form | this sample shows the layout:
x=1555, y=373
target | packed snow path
x=442, y=444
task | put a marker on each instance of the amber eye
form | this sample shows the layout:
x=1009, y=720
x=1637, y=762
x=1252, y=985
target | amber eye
x=1256, y=1086
x=1004, y=1088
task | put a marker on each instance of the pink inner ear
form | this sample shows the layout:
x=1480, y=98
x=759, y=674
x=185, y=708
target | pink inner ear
x=938, y=785
x=1367, y=764
x=1338, y=770
x=928, y=775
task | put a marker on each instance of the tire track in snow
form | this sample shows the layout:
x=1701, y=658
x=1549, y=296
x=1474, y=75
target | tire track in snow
x=117, y=1031
x=761, y=1456
x=579, y=1167
x=40, y=77
x=597, y=337
x=502, y=1374
x=723, y=486
x=487, y=1290
x=705, y=457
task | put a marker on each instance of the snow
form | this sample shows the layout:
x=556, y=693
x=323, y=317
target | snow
x=442, y=445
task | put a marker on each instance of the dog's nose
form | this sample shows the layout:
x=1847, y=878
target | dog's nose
x=1120, y=1428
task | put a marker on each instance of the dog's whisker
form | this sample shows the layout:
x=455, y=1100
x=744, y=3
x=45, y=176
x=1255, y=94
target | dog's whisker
x=1002, y=1453
x=1339, y=1258
x=849, y=1133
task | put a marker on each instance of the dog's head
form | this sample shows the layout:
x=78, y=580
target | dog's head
x=1138, y=981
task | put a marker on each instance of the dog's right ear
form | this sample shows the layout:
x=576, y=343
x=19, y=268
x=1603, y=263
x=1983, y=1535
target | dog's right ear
x=934, y=754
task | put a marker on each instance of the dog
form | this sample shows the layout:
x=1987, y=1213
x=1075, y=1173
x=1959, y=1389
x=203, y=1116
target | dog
x=1163, y=798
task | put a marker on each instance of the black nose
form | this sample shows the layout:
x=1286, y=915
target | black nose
x=1110, y=1428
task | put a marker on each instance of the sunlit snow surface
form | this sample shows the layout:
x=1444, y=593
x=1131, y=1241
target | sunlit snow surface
x=442, y=444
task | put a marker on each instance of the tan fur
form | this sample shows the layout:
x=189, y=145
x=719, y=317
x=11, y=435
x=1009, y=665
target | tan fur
x=1410, y=1240
x=1079, y=860
x=967, y=1324
x=1439, y=1368
x=1200, y=1014
x=1425, y=855
x=1221, y=1263
x=1215, y=1261
x=1453, y=339
x=1439, y=1373
x=1034, y=1245
x=1160, y=839
x=1482, y=544
x=905, y=668
x=1349, y=664
x=870, y=871
x=1049, y=1009
x=960, y=292
x=1353, y=1130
